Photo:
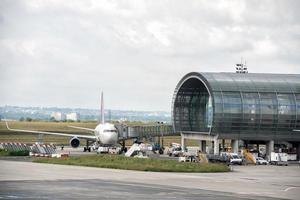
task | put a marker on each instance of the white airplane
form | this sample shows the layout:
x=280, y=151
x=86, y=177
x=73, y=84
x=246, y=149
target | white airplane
x=106, y=134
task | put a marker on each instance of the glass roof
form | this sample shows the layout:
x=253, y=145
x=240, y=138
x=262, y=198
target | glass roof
x=253, y=82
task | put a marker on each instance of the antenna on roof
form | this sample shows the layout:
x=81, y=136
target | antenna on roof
x=241, y=68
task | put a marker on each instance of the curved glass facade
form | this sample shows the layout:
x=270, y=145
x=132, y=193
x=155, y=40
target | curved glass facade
x=246, y=106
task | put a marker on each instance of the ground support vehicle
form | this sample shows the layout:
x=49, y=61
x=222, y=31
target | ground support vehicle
x=279, y=159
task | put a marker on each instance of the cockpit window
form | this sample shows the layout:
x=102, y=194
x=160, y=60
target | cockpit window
x=113, y=131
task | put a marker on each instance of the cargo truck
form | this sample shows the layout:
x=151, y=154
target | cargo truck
x=279, y=159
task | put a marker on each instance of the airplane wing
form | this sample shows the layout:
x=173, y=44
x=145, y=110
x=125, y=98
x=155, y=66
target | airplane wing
x=296, y=130
x=88, y=137
x=82, y=128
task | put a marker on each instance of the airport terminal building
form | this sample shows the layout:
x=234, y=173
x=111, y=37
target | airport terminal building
x=249, y=106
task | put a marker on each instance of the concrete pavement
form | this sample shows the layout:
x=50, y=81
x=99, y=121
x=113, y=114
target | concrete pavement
x=250, y=182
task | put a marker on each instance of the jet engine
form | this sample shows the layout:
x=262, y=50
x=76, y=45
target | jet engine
x=74, y=142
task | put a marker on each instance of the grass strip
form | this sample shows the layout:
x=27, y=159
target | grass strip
x=140, y=164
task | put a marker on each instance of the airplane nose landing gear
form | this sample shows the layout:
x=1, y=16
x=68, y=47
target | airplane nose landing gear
x=87, y=147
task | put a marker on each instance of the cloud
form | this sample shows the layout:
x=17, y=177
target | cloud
x=62, y=53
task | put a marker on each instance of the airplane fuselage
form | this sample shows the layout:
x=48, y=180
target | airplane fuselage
x=106, y=134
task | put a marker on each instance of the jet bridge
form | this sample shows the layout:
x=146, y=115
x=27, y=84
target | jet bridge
x=146, y=131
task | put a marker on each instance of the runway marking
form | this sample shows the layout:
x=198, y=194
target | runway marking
x=147, y=186
x=289, y=188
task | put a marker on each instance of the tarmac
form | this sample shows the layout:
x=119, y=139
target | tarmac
x=26, y=180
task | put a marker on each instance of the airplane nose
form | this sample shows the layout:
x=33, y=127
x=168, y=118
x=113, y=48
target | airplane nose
x=110, y=139
x=114, y=137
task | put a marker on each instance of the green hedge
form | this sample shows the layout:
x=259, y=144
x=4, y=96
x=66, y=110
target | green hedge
x=19, y=153
x=13, y=153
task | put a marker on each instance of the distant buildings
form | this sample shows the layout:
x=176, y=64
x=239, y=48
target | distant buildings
x=44, y=113
x=73, y=116
x=58, y=116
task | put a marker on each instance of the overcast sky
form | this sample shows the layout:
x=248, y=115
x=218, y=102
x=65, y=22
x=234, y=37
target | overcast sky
x=63, y=53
